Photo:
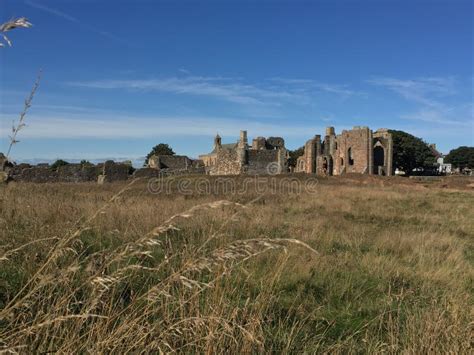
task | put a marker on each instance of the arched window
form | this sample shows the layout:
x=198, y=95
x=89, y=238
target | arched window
x=350, y=157
x=342, y=161
x=379, y=159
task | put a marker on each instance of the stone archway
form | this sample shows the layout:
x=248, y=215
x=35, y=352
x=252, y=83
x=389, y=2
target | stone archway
x=328, y=165
x=379, y=160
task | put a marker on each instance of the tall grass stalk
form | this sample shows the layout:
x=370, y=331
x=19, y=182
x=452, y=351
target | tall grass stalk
x=16, y=127
x=20, y=22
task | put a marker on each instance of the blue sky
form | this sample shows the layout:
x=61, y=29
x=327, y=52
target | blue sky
x=121, y=76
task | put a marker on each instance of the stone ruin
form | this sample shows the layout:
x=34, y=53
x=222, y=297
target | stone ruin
x=111, y=171
x=359, y=150
x=44, y=173
x=3, y=164
x=175, y=164
x=108, y=171
x=265, y=155
x=163, y=162
x=3, y=161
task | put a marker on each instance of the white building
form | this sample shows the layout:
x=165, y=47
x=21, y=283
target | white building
x=443, y=168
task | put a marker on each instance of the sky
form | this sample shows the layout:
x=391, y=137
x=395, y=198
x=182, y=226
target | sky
x=119, y=77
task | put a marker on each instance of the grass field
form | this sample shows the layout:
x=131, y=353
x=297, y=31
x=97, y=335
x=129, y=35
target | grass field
x=355, y=265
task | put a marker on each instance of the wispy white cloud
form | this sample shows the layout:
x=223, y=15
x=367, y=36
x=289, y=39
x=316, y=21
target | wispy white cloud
x=440, y=117
x=72, y=19
x=53, y=11
x=228, y=89
x=78, y=125
x=311, y=85
x=335, y=89
x=431, y=94
x=184, y=71
x=236, y=90
x=425, y=91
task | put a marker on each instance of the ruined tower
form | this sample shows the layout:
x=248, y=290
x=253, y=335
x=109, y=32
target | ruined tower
x=263, y=156
x=258, y=143
x=217, y=142
x=359, y=150
x=242, y=148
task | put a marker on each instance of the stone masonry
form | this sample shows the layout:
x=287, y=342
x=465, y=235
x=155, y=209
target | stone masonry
x=172, y=162
x=43, y=173
x=359, y=150
x=264, y=156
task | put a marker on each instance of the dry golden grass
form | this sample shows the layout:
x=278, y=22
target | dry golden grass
x=361, y=265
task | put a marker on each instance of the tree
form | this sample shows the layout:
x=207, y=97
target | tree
x=294, y=155
x=462, y=157
x=58, y=163
x=410, y=152
x=86, y=163
x=160, y=149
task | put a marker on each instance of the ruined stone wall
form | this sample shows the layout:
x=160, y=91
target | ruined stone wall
x=3, y=161
x=77, y=173
x=324, y=153
x=310, y=156
x=324, y=165
x=382, y=138
x=282, y=157
x=103, y=172
x=311, y=149
x=44, y=173
x=198, y=169
x=259, y=143
x=111, y=171
x=355, y=149
x=240, y=158
x=38, y=174
x=352, y=151
x=259, y=160
x=331, y=141
x=227, y=163
x=308, y=161
x=208, y=159
x=300, y=165
x=146, y=173
x=169, y=162
x=275, y=142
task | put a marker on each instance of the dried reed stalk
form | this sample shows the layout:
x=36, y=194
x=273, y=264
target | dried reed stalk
x=21, y=121
x=21, y=22
x=7, y=254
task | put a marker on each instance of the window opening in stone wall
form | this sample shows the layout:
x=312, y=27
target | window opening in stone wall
x=350, y=157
